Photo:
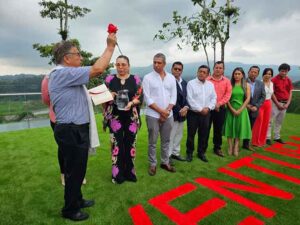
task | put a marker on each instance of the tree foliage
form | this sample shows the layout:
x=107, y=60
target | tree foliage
x=63, y=11
x=207, y=27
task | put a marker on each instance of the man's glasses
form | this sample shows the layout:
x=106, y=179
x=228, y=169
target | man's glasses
x=74, y=53
x=177, y=69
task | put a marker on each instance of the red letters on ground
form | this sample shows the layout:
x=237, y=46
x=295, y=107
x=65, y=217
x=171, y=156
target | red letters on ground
x=192, y=217
x=251, y=220
x=161, y=202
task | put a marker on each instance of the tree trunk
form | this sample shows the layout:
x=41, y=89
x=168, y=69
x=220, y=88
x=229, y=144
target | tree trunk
x=226, y=34
x=61, y=24
x=214, y=46
x=205, y=51
x=66, y=19
x=223, y=51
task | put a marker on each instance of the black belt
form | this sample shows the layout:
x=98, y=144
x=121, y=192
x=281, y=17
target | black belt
x=73, y=125
x=282, y=101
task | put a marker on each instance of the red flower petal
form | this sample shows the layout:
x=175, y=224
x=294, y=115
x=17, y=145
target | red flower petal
x=112, y=28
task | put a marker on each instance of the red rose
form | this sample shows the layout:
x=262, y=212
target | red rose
x=112, y=28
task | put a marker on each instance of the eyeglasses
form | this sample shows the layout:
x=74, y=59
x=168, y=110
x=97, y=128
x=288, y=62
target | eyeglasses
x=177, y=69
x=73, y=53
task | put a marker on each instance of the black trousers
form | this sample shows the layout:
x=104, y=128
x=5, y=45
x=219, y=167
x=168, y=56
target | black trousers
x=252, y=118
x=73, y=141
x=217, y=119
x=197, y=122
x=59, y=153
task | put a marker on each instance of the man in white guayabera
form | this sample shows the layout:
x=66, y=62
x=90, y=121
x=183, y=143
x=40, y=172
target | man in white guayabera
x=160, y=97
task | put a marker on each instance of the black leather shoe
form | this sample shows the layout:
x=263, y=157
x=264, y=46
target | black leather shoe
x=268, y=142
x=203, y=158
x=189, y=157
x=79, y=216
x=87, y=203
x=219, y=153
x=177, y=157
x=280, y=141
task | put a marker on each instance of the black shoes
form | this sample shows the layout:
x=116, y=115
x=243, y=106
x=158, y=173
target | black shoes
x=189, y=157
x=177, y=157
x=87, y=203
x=219, y=152
x=280, y=141
x=268, y=142
x=203, y=158
x=79, y=216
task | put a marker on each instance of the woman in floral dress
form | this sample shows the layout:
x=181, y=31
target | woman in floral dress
x=123, y=123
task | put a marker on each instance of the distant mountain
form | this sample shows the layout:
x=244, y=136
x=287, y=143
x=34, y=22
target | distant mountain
x=32, y=83
x=190, y=69
x=20, y=83
x=297, y=85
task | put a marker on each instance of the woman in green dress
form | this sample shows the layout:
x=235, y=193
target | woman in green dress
x=237, y=124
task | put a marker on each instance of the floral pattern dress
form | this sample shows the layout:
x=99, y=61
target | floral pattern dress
x=123, y=126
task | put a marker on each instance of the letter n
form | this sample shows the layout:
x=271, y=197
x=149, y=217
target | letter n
x=256, y=186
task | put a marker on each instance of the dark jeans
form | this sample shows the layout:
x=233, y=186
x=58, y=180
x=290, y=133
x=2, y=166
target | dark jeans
x=217, y=119
x=197, y=122
x=252, y=118
x=59, y=153
x=73, y=141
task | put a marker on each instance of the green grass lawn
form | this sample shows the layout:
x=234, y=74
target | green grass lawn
x=31, y=193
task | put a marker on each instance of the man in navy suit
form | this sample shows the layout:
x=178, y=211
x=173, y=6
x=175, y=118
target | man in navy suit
x=179, y=113
x=258, y=96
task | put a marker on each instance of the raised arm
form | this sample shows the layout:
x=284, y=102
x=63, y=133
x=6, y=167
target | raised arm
x=102, y=63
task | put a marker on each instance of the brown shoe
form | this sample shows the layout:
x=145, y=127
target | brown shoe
x=168, y=168
x=152, y=170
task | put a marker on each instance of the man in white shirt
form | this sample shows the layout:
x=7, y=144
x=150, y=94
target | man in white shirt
x=160, y=96
x=202, y=98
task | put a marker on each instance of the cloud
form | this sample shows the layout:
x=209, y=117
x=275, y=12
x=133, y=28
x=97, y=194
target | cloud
x=265, y=33
x=241, y=52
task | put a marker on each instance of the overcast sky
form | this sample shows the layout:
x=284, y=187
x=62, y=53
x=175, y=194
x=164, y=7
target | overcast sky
x=268, y=32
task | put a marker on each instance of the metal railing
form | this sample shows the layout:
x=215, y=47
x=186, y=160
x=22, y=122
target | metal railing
x=22, y=111
x=26, y=110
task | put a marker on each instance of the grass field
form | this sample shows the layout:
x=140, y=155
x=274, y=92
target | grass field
x=31, y=193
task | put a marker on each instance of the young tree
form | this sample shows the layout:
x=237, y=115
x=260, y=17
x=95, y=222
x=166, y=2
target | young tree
x=63, y=11
x=204, y=28
x=220, y=19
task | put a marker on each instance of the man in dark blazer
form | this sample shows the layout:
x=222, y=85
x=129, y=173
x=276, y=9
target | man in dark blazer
x=258, y=96
x=179, y=113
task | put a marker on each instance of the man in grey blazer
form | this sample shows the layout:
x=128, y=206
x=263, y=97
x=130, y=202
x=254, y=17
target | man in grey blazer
x=258, y=96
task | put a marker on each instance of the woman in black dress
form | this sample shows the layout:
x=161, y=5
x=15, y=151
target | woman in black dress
x=123, y=120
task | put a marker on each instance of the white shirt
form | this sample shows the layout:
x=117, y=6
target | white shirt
x=158, y=91
x=201, y=95
x=179, y=82
x=269, y=91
